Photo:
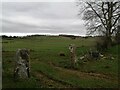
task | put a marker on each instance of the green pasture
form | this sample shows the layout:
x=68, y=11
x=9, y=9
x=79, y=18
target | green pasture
x=50, y=70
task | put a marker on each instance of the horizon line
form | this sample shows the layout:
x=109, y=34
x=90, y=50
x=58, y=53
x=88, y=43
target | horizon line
x=49, y=34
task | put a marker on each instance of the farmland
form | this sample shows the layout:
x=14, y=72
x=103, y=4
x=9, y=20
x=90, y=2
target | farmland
x=50, y=70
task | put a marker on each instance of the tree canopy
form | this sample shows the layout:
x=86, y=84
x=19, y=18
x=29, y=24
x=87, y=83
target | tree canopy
x=102, y=17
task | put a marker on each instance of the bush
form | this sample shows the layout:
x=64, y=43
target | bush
x=101, y=44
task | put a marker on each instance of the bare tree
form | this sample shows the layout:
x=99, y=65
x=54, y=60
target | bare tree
x=102, y=17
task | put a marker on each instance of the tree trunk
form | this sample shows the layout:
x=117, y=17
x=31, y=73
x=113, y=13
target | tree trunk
x=109, y=42
x=109, y=25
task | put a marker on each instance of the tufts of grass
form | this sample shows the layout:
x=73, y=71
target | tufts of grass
x=45, y=59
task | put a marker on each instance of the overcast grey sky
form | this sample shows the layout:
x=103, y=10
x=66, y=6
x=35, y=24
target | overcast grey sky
x=42, y=17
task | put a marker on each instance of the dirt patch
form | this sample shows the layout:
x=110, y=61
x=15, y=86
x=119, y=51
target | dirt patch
x=86, y=74
x=49, y=82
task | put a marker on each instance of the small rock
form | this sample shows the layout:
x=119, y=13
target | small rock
x=101, y=55
x=112, y=58
x=104, y=57
x=81, y=58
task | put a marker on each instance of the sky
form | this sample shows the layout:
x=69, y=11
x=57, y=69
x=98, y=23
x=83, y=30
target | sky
x=21, y=18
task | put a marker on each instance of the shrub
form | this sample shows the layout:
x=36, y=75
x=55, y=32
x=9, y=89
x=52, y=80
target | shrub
x=101, y=44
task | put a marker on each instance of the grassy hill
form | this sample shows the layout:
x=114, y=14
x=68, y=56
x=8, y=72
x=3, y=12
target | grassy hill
x=49, y=69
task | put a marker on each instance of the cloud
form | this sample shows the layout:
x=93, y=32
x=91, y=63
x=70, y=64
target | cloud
x=37, y=0
x=41, y=17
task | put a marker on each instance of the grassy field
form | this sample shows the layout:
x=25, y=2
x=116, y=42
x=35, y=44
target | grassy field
x=50, y=70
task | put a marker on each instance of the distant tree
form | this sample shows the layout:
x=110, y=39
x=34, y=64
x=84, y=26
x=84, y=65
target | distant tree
x=4, y=36
x=15, y=36
x=102, y=17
